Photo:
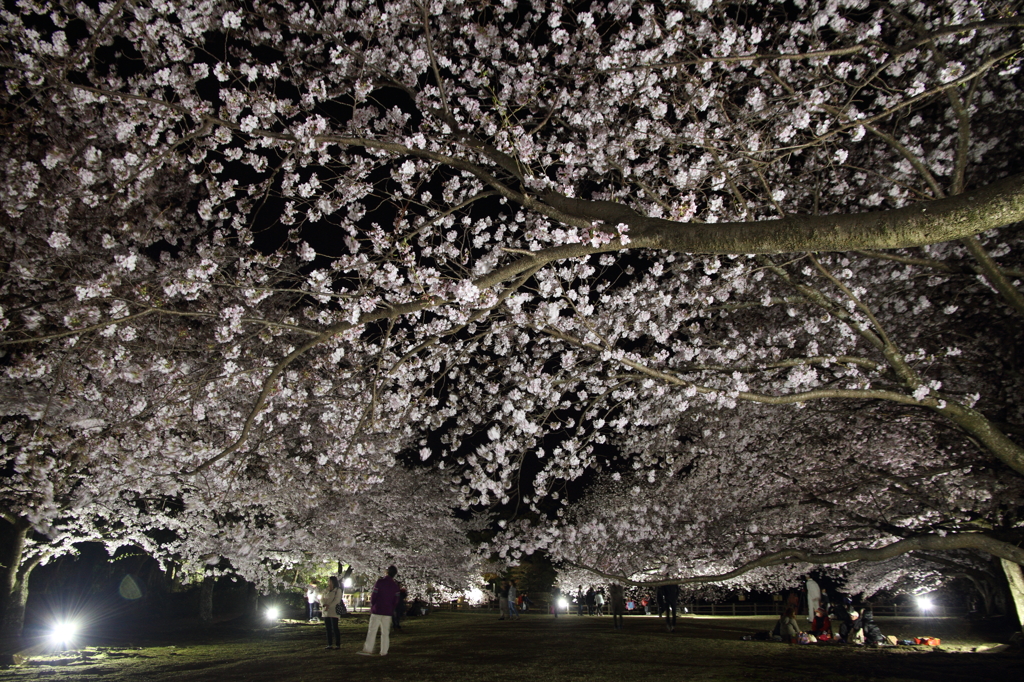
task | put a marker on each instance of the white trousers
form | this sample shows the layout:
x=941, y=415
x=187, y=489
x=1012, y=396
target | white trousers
x=382, y=623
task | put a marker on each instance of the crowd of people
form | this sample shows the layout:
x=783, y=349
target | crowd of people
x=388, y=605
x=854, y=627
x=511, y=602
x=595, y=602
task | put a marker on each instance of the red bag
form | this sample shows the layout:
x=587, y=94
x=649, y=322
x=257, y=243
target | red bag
x=928, y=641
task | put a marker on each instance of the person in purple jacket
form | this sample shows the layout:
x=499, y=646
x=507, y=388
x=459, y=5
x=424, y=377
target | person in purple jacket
x=382, y=604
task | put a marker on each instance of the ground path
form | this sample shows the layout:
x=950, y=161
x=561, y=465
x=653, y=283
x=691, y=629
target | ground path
x=449, y=647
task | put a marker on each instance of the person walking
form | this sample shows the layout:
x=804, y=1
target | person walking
x=383, y=599
x=328, y=604
x=599, y=602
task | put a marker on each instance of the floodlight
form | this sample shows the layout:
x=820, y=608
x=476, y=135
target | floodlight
x=273, y=613
x=347, y=582
x=63, y=632
x=925, y=604
x=563, y=604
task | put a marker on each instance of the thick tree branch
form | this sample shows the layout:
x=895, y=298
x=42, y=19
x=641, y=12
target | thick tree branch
x=931, y=542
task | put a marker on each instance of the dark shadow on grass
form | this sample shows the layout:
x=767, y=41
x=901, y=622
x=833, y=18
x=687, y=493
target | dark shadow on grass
x=447, y=647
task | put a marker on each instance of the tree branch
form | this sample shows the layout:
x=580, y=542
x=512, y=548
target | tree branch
x=931, y=542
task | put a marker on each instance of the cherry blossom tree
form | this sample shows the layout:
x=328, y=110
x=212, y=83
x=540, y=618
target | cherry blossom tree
x=257, y=249
x=757, y=498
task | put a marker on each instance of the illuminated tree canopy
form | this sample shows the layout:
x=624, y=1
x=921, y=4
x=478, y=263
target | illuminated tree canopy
x=299, y=280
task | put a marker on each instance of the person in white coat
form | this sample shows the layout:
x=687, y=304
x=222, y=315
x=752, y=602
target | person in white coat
x=813, y=597
x=313, y=597
x=327, y=611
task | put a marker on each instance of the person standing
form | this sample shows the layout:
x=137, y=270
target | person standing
x=813, y=597
x=513, y=593
x=313, y=597
x=599, y=602
x=400, y=607
x=328, y=603
x=383, y=600
x=580, y=600
x=503, y=600
x=617, y=595
x=668, y=597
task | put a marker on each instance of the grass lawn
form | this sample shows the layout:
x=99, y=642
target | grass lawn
x=446, y=647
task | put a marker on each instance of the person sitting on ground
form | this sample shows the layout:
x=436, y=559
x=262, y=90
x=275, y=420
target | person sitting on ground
x=852, y=633
x=872, y=634
x=840, y=613
x=787, y=626
x=821, y=626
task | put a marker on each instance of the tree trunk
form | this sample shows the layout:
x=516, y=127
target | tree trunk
x=985, y=592
x=1015, y=577
x=252, y=600
x=14, y=588
x=206, y=600
x=14, y=614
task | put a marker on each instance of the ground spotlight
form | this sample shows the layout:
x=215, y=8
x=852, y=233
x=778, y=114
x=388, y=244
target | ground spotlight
x=563, y=604
x=273, y=613
x=63, y=633
x=925, y=603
